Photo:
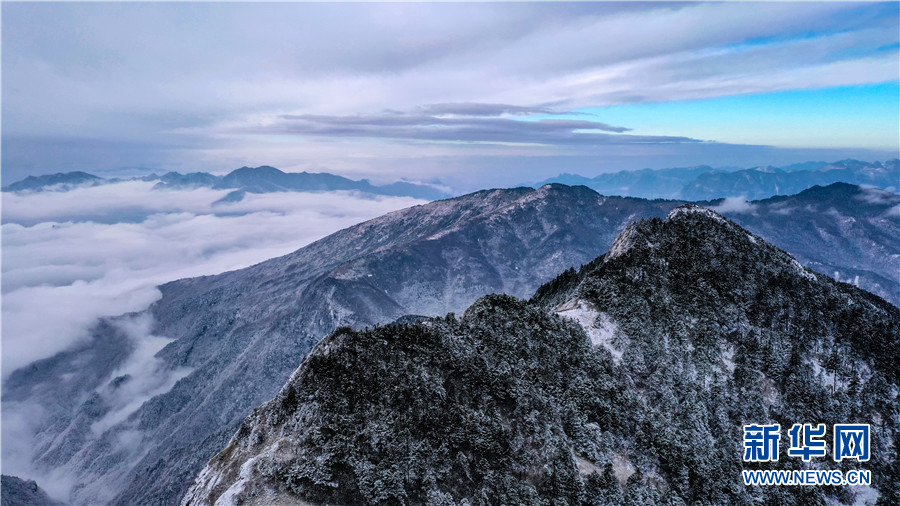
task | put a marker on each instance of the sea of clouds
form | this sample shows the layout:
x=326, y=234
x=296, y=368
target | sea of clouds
x=71, y=257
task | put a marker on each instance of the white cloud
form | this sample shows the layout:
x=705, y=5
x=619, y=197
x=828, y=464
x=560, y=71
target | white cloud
x=142, y=375
x=20, y=420
x=876, y=196
x=59, y=276
x=734, y=205
x=139, y=88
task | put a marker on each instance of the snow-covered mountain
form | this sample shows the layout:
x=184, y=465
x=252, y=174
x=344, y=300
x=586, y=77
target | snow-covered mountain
x=128, y=424
x=844, y=231
x=626, y=382
x=18, y=492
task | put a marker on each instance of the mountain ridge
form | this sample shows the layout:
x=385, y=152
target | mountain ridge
x=574, y=410
x=705, y=183
x=262, y=179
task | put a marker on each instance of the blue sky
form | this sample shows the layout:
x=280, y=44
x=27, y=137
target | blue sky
x=862, y=116
x=439, y=91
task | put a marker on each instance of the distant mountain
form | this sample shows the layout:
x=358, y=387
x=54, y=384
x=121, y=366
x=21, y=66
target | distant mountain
x=239, y=335
x=61, y=182
x=762, y=182
x=644, y=183
x=849, y=233
x=263, y=179
x=175, y=180
x=627, y=382
x=706, y=183
x=269, y=179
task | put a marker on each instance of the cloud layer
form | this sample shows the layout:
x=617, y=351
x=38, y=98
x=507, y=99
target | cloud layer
x=69, y=258
x=459, y=123
x=215, y=86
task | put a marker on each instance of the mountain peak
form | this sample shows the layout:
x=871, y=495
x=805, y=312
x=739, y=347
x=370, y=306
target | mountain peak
x=693, y=211
x=262, y=170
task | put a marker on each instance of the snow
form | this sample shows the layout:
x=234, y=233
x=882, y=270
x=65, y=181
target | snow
x=819, y=370
x=623, y=243
x=586, y=467
x=728, y=359
x=690, y=209
x=599, y=327
x=229, y=496
x=802, y=270
x=865, y=495
x=622, y=468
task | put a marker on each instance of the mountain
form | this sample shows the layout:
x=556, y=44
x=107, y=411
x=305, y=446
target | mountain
x=705, y=183
x=140, y=433
x=262, y=179
x=627, y=382
x=17, y=492
x=423, y=260
x=842, y=230
x=764, y=182
x=644, y=183
x=62, y=181
x=175, y=180
x=268, y=179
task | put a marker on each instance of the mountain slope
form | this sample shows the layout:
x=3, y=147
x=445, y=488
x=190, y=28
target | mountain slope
x=239, y=335
x=842, y=230
x=17, y=492
x=697, y=327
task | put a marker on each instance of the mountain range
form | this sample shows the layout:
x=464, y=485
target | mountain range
x=705, y=183
x=238, y=336
x=698, y=183
x=626, y=382
x=262, y=179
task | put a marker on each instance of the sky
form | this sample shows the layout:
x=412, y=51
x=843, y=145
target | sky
x=472, y=95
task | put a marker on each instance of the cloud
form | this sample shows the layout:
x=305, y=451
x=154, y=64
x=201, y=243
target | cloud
x=71, y=258
x=60, y=275
x=148, y=82
x=482, y=127
x=20, y=420
x=877, y=196
x=734, y=205
x=476, y=109
x=140, y=378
